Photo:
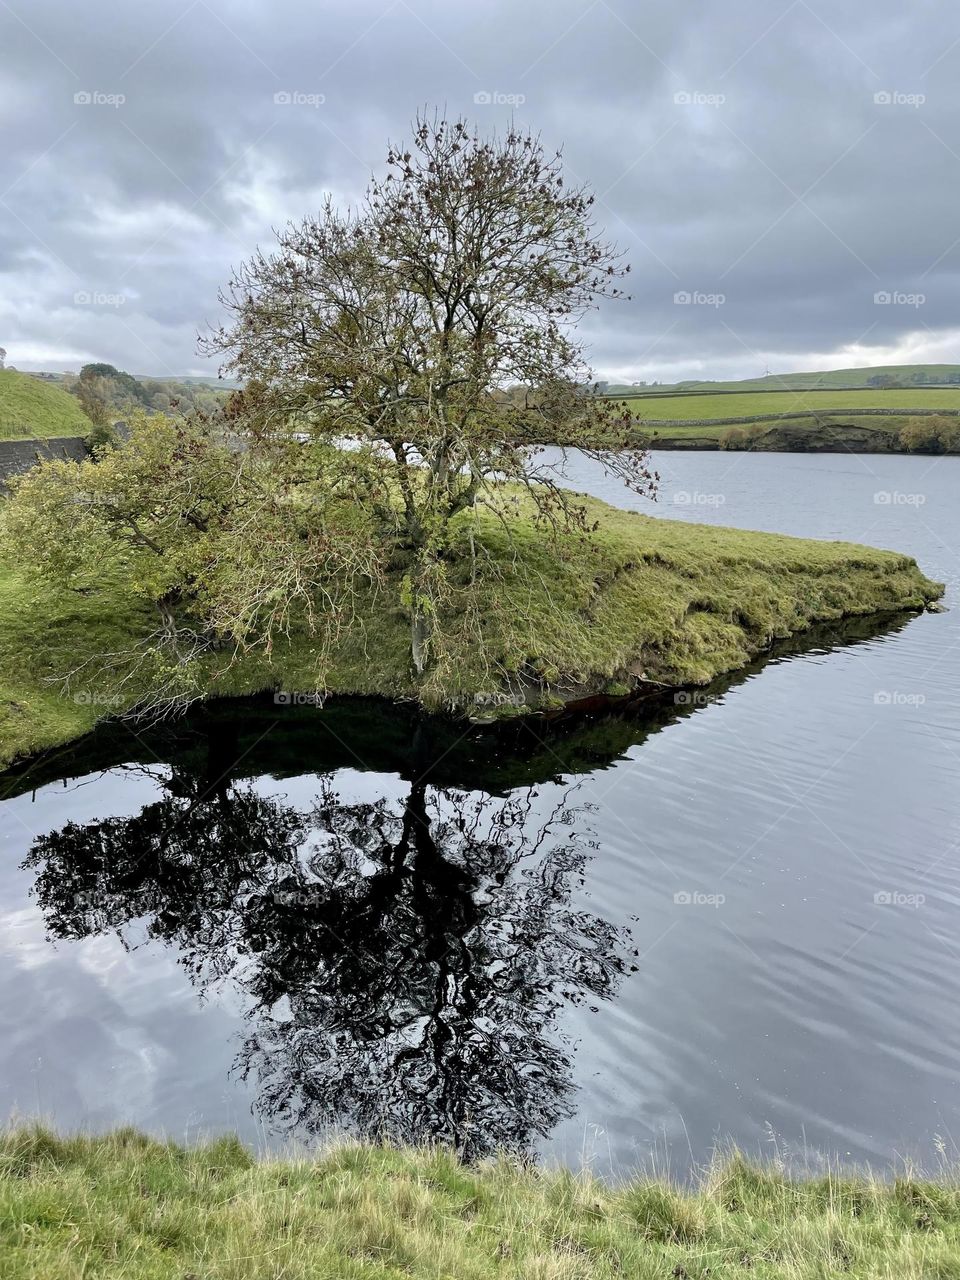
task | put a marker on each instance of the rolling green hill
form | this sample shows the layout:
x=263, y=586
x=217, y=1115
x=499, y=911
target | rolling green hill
x=908, y=374
x=29, y=407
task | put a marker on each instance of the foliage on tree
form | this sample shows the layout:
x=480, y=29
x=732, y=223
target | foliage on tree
x=223, y=546
x=94, y=401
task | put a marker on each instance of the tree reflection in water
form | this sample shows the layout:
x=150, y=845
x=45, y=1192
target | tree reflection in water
x=405, y=961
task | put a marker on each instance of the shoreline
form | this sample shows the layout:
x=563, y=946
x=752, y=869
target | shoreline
x=784, y=433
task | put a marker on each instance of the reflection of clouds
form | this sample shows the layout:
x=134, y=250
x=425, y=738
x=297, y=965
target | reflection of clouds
x=404, y=959
x=23, y=938
x=91, y=1032
x=108, y=960
x=95, y=1037
x=82, y=1051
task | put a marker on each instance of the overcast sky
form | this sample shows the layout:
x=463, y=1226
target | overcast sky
x=777, y=163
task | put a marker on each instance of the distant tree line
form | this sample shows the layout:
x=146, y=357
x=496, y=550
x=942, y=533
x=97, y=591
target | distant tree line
x=107, y=394
x=891, y=382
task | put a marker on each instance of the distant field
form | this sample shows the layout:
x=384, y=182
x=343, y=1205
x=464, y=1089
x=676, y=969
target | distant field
x=749, y=403
x=29, y=407
x=908, y=374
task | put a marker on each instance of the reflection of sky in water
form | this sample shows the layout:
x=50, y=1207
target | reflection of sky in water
x=409, y=956
x=93, y=1033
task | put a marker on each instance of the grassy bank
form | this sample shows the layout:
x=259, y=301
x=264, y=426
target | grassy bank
x=643, y=598
x=126, y=1206
x=810, y=434
x=31, y=408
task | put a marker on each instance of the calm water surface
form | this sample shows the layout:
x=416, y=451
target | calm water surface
x=631, y=939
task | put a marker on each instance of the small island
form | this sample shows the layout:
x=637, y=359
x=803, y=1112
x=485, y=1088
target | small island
x=643, y=601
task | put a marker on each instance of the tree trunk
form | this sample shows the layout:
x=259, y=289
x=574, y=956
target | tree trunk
x=419, y=635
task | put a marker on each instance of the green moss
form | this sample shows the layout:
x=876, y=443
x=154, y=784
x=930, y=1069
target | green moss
x=122, y=1205
x=661, y=599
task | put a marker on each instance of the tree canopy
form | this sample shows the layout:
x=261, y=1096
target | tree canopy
x=398, y=327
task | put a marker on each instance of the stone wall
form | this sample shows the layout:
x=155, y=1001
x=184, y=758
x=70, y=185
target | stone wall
x=17, y=456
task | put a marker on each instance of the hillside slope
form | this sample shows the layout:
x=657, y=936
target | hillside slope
x=909, y=374
x=29, y=407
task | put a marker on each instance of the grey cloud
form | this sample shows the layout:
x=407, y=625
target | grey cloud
x=737, y=151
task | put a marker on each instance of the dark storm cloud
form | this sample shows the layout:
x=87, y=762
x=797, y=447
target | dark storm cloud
x=781, y=166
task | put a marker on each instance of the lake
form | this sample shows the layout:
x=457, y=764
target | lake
x=629, y=939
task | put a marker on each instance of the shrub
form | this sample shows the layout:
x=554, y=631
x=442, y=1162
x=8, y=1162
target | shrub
x=743, y=437
x=735, y=438
x=103, y=436
x=933, y=434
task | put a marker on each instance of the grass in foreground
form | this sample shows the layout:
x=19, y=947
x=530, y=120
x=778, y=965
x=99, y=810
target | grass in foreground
x=126, y=1206
x=663, y=599
x=29, y=408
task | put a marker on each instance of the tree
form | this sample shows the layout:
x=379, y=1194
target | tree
x=401, y=365
x=94, y=400
x=393, y=328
